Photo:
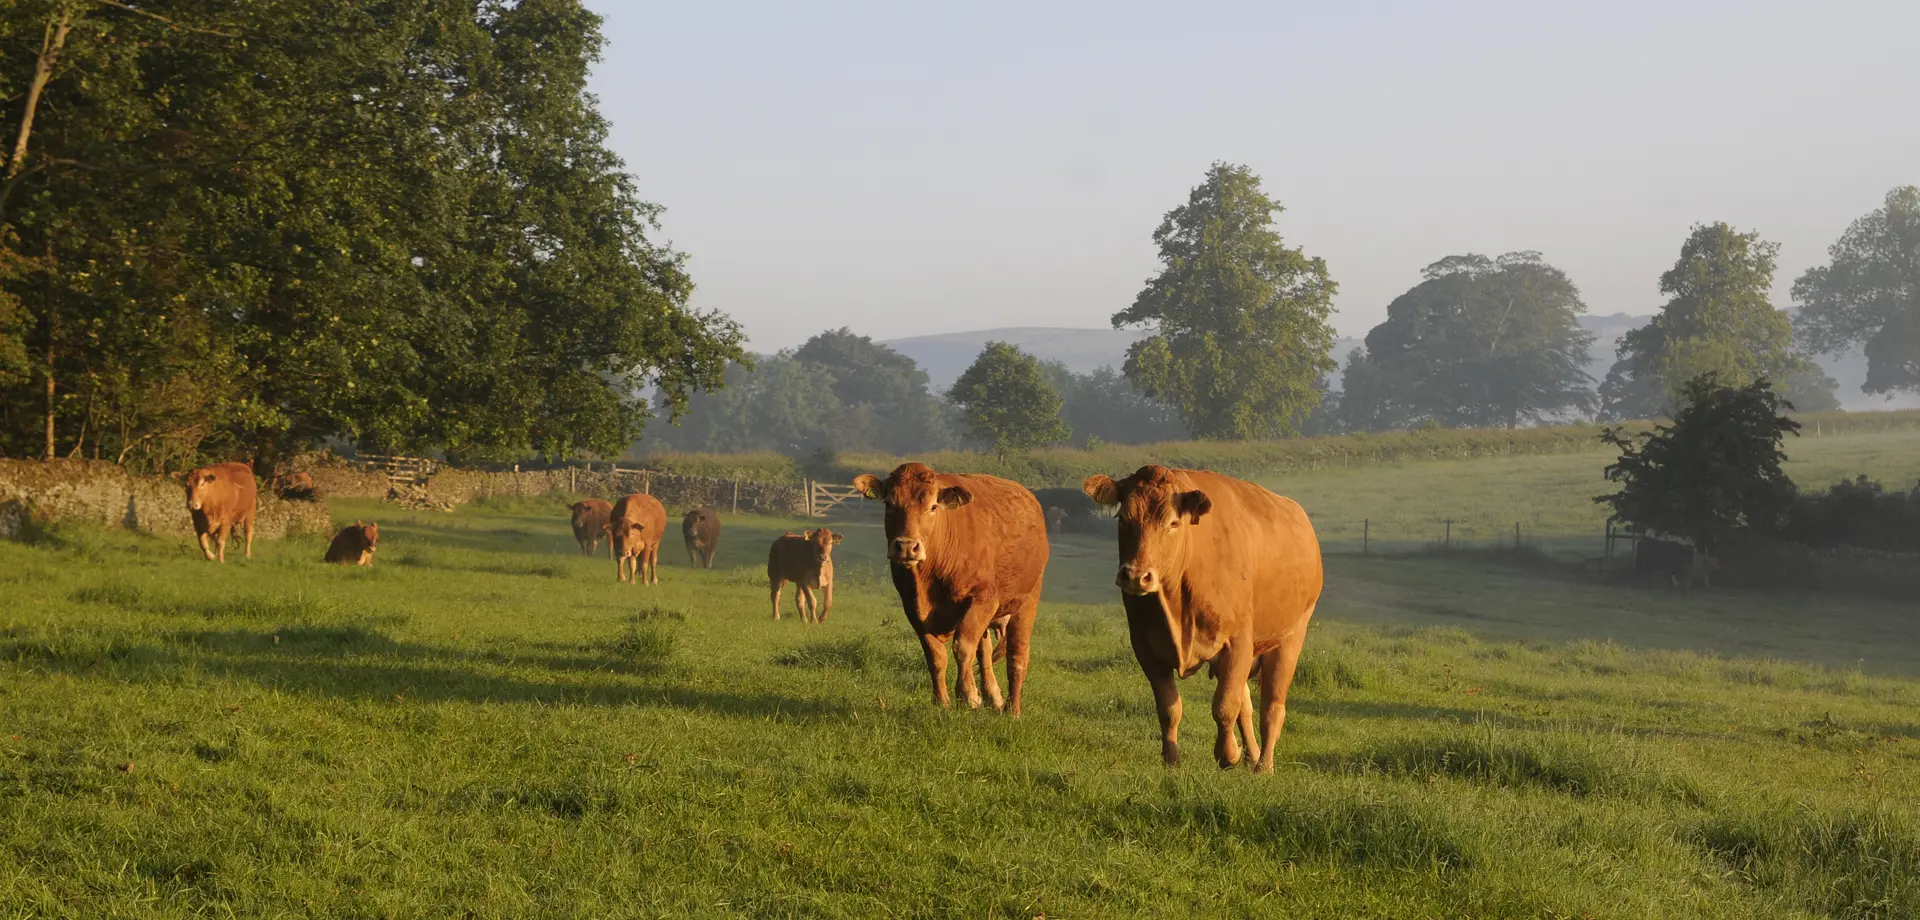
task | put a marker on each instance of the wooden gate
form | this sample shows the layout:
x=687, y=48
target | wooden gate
x=824, y=497
x=402, y=472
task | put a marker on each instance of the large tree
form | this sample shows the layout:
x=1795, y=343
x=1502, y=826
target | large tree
x=884, y=394
x=1479, y=343
x=1239, y=321
x=1869, y=294
x=400, y=225
x=1008, y=402
x=1719, y=319
x=1104, y=406
x=1714, y=471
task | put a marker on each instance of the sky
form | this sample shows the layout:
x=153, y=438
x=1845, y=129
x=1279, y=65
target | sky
x=913, y=168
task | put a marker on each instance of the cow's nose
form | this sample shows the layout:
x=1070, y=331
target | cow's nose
x=1135, y=579
x=907, y=549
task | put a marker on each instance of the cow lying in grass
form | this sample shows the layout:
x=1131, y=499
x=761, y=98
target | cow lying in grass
x=354, y=544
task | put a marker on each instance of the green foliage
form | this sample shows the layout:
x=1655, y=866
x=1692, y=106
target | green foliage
x=1007, y=400
x=1713, y=472
x=1718, y=320
x=1103, y=407
x=1240, y=330
x=399, y=226
x=884, y=397
x=1869, y=294
x=1480, y=343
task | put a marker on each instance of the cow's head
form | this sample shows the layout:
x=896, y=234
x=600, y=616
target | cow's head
x=198, y=481
x=371, y=532
x=1157, y=507
x=822, y=542
x=916, y=498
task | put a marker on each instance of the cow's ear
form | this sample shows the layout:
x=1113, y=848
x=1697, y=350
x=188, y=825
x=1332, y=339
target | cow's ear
x=1192, y=505
x=1101, y=488
x=807, y=534
x=836, y=538
x=868, y=485
x=955, y=496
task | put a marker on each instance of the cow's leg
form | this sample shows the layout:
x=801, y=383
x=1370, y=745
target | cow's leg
x=1017, y=645
x=1276, y=675
x=249, y=536
x=979, y=613
x=1231, y=671
x=220, y=540
x=987, y=678
x=1166, y=698
x=935, y=648
x=206, y=545
x=693, y=557
x=803, y=601
x=774, y=587
x=653, y=564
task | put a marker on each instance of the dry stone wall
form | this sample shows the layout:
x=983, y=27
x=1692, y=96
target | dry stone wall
x=104, y=493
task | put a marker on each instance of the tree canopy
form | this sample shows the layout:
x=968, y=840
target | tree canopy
x=888, y=405
x=1479, y=343
x=1240, y=322
x=254, y=229
x=1007, y=400
x=1714, y=471
x=1103, y=406
x=1719, y=319
x=1869, y=294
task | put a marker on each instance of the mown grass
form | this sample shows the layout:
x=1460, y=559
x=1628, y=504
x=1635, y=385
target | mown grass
x=485, y=724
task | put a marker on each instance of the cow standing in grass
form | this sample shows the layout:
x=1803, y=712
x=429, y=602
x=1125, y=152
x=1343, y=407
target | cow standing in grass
x=354, y=545
x=966, y=553
x=635, y=527
x=701, y=531
x=590, y=519
x=221, y=497
x=1214, y=571
x=806, y=559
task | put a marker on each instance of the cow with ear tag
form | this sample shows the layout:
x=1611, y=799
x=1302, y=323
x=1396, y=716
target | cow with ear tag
x=1220, y=572
x=967, y=553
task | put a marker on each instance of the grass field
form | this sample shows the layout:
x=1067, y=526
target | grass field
x=485, y=724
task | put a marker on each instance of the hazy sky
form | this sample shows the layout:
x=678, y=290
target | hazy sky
x=912, y=168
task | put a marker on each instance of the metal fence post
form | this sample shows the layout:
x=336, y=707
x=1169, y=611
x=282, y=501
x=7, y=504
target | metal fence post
x=1448, y=540
x=1516, y=534
x=1366, y=526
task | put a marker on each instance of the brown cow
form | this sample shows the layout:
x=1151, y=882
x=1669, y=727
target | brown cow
x=635, y=526
x=294, y=485
x=590, y=524
x=1054, y=517
x=806, y=559
x=1701, y=569
x=221, y=497
x=966, y=553
x=701, y=531
x=354, y=545
x=1214, y=571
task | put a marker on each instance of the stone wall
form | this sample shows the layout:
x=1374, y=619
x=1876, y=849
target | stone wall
x=457, y=487
x=104, y=493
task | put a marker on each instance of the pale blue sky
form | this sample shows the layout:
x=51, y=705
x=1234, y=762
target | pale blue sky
x=913, y=168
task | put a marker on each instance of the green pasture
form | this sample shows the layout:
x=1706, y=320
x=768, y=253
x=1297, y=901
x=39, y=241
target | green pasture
x=484, y=724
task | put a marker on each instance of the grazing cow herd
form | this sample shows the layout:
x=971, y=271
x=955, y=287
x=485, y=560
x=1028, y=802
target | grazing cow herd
x=1214, y=572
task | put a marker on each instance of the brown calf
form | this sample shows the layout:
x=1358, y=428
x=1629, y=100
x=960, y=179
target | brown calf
x=354, y=544
x=1214, y=571
x=297, y=485
x=635, y=526
x=806, y=559
x=966, y=553
x=1054, y=517
x=701, y=531
x=221, y=497
x=590, y=519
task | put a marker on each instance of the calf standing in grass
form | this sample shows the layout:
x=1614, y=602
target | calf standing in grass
x=806, y=559
x=967, y=554
x=635, y=526
x=1218, y=572
x=590, y=524
x=221, y=497
x=354, y=545
x=701, y=531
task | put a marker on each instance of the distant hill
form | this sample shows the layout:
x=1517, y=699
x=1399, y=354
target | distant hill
x=944, y=357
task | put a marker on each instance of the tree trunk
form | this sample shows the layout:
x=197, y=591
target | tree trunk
x=50, y=45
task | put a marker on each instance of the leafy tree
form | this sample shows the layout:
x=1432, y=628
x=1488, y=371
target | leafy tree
x=398, y=225
x=1008, y=401
x=777, y=403
x=1719, y=320
x=1104, y=406
x=1240, y=321
x=1869, y=294
x=884, y=394
x=1714, y=471
x=1480, y=343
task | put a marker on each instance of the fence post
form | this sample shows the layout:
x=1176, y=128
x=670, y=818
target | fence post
x=1366, y=526
x=646, y=482
x=1516, y=534
x=1448, y=541
x=736, y=496
x=1606, y=555
x=806, y=491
